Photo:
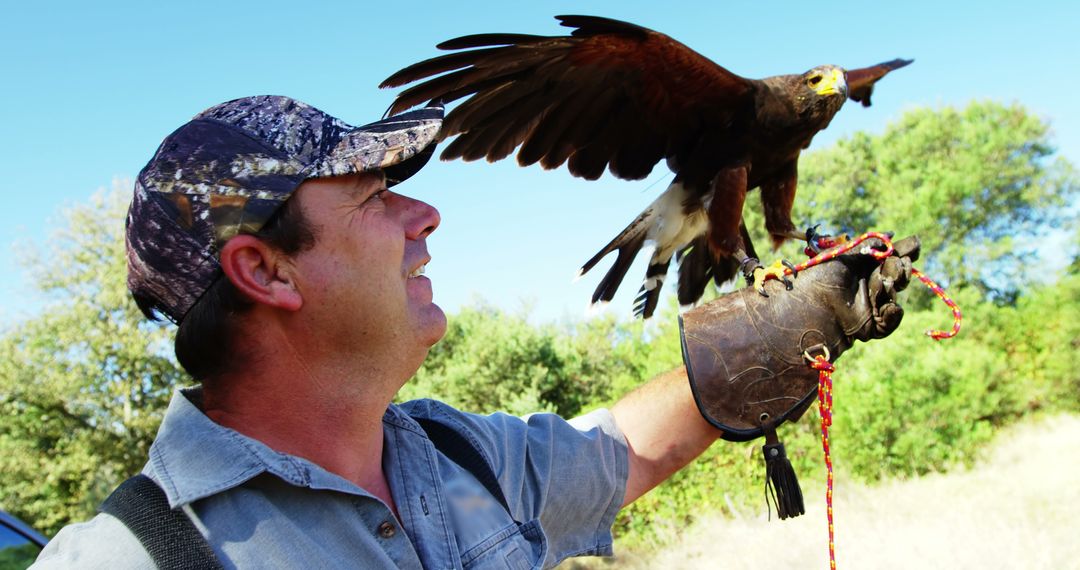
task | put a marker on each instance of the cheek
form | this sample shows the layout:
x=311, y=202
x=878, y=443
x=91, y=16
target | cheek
x=331, y=274
x=365, y=261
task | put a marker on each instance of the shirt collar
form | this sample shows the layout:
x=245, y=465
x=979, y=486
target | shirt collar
x=193, y=457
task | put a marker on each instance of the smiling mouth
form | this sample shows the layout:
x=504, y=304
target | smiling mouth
x=418, y=271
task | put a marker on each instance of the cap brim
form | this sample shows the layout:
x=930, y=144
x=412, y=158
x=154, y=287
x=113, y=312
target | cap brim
x=390, y=145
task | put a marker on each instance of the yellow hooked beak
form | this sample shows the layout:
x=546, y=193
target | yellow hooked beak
x=831, y=82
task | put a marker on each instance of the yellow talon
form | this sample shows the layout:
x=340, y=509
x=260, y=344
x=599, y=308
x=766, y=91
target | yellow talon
x=774, y=271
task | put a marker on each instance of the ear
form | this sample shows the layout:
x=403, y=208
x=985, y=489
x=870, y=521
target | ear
x=260, y=272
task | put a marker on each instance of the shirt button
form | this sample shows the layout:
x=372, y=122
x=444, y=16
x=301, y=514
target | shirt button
x=387, y=530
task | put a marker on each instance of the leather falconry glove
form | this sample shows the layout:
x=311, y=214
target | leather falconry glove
x=746, y=354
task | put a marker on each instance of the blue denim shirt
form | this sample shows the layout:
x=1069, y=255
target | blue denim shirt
x=258, y=508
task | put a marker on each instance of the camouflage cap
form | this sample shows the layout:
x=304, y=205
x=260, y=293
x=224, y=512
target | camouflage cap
x=230, y=168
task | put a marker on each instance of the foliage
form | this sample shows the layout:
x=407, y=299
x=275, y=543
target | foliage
x=83, y=386
x=490, y=360
x=978, y=185
x=1040, y=338
x=913, y=406
x=18, y=557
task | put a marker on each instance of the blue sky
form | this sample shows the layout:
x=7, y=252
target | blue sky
x=90, y=89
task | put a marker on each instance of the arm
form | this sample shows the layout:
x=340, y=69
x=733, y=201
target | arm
x=664, y=430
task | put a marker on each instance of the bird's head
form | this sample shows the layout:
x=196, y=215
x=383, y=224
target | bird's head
x=822, y=90
x=826, y=80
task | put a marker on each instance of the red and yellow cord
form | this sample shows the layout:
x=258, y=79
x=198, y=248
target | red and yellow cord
x=825, y=368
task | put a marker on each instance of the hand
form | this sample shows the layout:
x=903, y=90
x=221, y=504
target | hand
x=744, y=353
x=867, y=309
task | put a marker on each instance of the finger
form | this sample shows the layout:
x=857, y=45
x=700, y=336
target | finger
x=892, y=270
x=888, y=318
x=904, y=278
x=881, y=293
x=876, y=288
x=864, y=304
x=861, y=259
x=908, y=247
x=871, y=244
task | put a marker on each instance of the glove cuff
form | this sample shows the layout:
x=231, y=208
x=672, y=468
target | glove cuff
x=741, y=381
x=729, y=431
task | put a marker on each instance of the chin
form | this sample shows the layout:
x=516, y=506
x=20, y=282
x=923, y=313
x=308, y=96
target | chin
x=432, y=324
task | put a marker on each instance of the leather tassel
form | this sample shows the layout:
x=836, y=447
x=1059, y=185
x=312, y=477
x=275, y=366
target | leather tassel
x=781, y=484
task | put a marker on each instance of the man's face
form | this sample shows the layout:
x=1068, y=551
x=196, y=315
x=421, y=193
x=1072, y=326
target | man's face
x=360, y=282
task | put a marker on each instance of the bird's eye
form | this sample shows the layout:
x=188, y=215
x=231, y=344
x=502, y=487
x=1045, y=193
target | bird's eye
x=813, y=80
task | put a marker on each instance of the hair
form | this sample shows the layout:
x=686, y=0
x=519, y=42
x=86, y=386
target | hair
x=204, y=340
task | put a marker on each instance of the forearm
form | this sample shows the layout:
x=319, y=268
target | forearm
x=663, y=428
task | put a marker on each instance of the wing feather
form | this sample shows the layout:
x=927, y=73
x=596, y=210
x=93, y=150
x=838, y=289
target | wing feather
x=480, y=40
x=436, y=65
x=612, y=95
x=549, y=133
x=861, y=81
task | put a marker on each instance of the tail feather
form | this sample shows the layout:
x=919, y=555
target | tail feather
x=675, y=217
x=635, y=232
x=695, y=270
x=649, y=294
x=605, y=291
x=725, y=270
x=697, y=265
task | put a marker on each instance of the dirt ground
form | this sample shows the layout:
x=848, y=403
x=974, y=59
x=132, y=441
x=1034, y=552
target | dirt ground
x=1019, y=508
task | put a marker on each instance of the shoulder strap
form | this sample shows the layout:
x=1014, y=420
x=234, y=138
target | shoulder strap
x=168, y=535
x=463, y=452
x=173, y=542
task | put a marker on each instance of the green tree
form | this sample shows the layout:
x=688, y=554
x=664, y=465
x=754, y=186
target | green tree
x=979, y=186
x=82, y=386
x=490, y=360
x=1074, y=267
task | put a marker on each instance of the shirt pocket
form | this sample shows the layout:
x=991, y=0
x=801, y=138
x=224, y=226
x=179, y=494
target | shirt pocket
x=515, y=547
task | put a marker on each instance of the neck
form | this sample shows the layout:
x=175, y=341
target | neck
x=328, y=414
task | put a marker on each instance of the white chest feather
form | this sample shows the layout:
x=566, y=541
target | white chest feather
x=674, y=223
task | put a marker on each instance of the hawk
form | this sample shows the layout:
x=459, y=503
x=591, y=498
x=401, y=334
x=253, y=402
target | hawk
x=616, y=96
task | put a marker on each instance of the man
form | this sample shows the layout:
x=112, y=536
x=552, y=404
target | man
x=269, y=232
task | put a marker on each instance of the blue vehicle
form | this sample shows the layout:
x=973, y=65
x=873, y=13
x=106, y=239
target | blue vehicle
x=19, y=544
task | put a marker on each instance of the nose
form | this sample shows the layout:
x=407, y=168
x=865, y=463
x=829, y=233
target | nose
x=420, y=218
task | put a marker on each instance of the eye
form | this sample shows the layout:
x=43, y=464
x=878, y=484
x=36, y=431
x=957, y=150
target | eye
x=378, y=195
x=813, y=80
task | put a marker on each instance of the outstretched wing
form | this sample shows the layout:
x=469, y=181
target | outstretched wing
x=861, y=81
x=611, y=95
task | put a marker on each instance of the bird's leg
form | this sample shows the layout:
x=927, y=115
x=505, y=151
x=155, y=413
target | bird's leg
x=817, y=243
x=756, y=275
x=726, y=229
x=777, y=198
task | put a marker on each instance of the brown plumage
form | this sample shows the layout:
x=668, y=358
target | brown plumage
x=619, y=97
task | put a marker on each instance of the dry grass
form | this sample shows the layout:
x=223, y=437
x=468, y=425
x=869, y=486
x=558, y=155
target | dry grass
x=1016, y=509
